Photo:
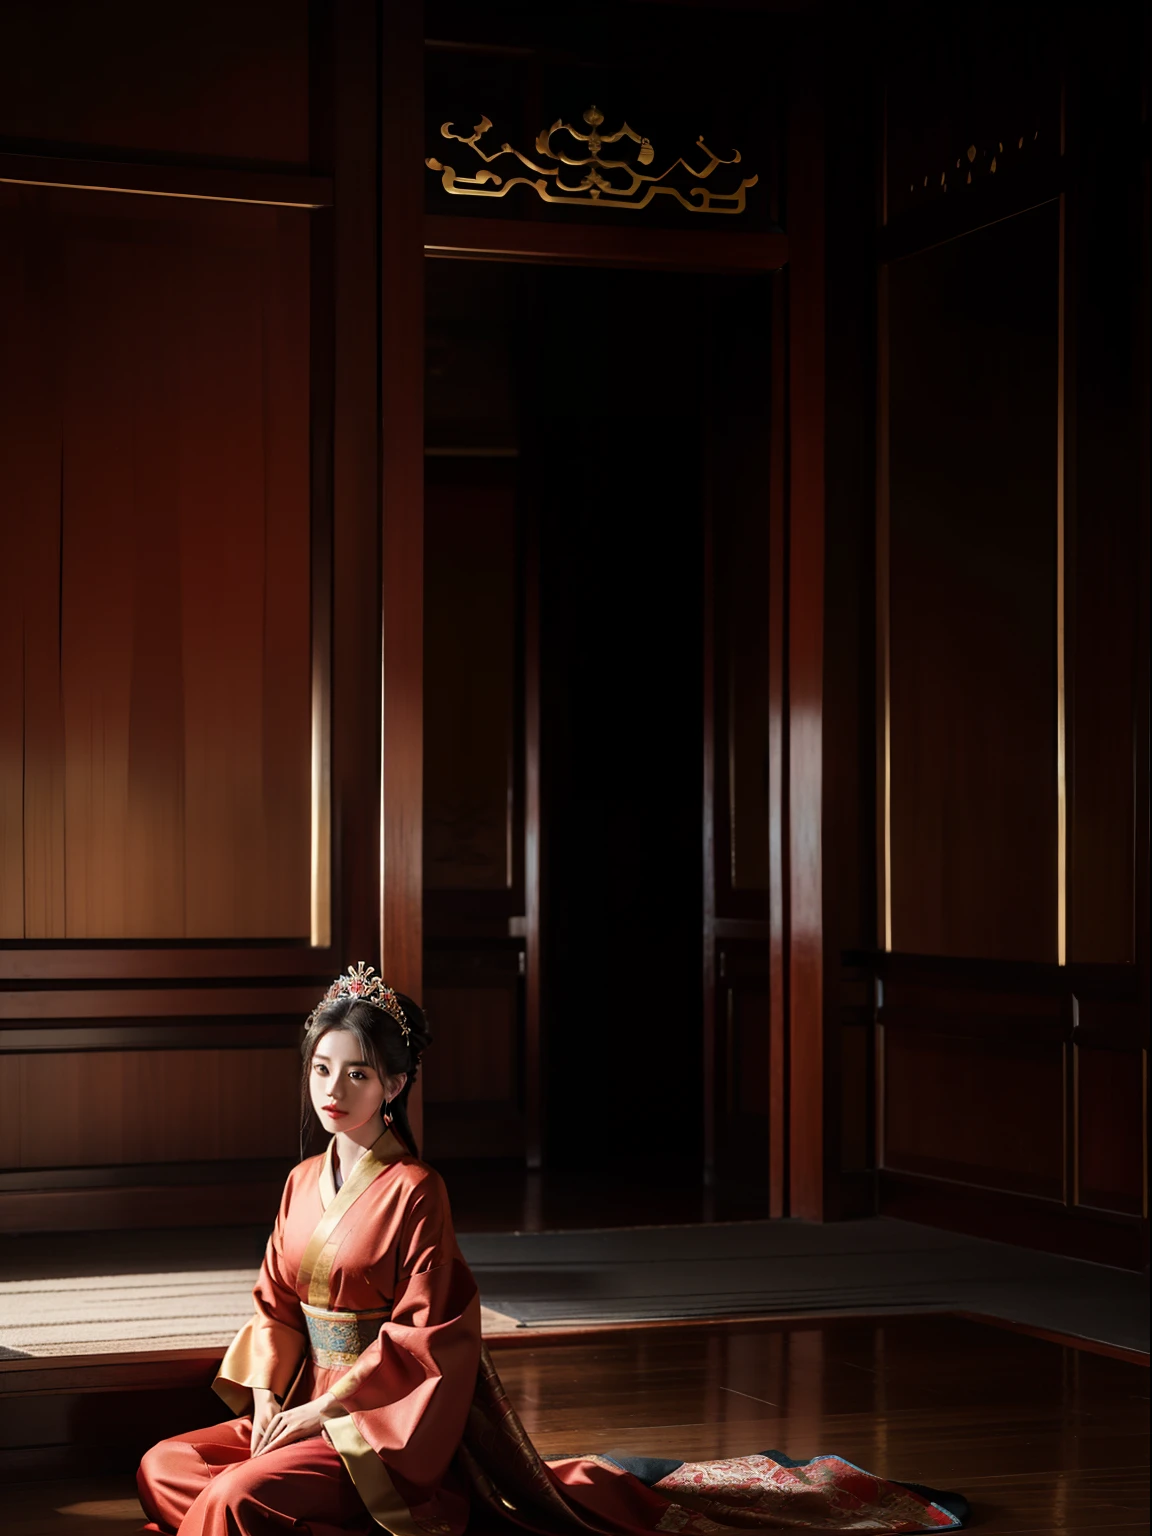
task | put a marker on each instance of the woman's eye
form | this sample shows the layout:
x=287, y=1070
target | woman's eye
x=323, y=1071
x=358, y=1075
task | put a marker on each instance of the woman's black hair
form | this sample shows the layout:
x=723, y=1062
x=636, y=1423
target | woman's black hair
x=382, y=1041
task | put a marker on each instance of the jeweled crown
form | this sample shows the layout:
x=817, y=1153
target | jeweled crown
x=361, y=982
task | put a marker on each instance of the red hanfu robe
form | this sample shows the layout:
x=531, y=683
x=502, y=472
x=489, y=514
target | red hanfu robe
x=429, y=1433
x=383, y=1241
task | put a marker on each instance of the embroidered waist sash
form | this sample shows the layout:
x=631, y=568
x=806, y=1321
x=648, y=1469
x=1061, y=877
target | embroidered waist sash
x=340, y=1338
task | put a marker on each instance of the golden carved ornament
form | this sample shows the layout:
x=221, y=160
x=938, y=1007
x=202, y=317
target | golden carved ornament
x=583, y=177
x=981, y=161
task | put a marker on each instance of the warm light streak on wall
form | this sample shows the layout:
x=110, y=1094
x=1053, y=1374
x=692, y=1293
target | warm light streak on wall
x=883, y=638
x=195, y=197
x=1061, y=752
x=1144, y=1126
x=887, y=811
x=321, y=936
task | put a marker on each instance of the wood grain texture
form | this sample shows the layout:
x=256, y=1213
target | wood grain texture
x=153, y=1002
x=744, y=586
x=597, y=245
x=1011, y=1101
x=153, y=1034
x=1107, y=410
x=745, y=1091
x=250, y=1200
x=777, y=750
x=108, y=963
x=476, y=1042
x=102, y=1179
x=1038, y=1437
x=473, y=799
x=1026, y=1221
x=354, y=305
x=972, y=496
x=212, y=81
x=980, y=1111
x=534, y=911
x=1109, y=1105
x=172, y=400
x=933, y=1399
x=806, y=637
x=147, y=1106
x=402, y=457
x=973, y=700
x=273, y=189
x=165, y=599
x=740, y=496
x=711, y=839
x=471, y=668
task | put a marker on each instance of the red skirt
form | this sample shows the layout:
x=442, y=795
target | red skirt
x=206, y=1484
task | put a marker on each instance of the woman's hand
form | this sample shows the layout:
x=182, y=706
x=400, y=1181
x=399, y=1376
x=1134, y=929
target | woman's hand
x=264, y=1410
x=296, y=1424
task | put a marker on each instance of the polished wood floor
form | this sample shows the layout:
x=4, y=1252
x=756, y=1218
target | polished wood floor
x=1041, y=1438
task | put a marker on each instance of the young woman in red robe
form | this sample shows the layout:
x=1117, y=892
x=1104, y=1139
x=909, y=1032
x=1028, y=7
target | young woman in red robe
x=367, y=1398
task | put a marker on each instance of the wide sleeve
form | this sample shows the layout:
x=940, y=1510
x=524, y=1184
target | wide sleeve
x=409, y=1392
x=268, y=1350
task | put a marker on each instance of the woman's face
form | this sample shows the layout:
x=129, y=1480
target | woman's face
x=347, y=1092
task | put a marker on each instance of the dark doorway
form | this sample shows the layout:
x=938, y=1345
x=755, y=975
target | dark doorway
x=588, y=432
x=614, y=455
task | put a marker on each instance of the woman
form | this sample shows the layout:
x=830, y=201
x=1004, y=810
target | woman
x=367, y=1397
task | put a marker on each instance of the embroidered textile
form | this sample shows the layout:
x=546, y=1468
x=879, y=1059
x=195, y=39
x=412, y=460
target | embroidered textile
x=340, y=1338
x=825, y=1494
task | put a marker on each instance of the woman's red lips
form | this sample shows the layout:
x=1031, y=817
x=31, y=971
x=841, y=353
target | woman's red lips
x=330, y=1109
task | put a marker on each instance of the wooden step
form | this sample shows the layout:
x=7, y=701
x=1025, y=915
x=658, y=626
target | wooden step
x=74, y=1414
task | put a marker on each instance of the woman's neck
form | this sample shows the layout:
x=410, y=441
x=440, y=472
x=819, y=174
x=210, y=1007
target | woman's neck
x=352, y=1145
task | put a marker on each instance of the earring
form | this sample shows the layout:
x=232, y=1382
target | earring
x=386, y=1113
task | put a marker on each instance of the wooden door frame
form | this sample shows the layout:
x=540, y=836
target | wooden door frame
x=409, y=236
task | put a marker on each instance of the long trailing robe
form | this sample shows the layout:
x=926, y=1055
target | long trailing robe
x=364, y=1293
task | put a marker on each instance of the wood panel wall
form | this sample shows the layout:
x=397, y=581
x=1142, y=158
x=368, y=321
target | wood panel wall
x=189, y=782
x=972, y=332
x=156, y=598
x=474, y=809
x=952, y=1011
x=1012, y=998
x=745, y=578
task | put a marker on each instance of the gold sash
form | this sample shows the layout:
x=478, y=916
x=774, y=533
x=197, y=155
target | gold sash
x=365, y=1468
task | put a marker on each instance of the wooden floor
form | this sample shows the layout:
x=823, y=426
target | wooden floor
x=1039, y=1437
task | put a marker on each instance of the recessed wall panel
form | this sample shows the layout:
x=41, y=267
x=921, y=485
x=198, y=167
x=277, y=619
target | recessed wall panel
x=974, y=1110
x=210, y=78
x=470, y=675
x=972, y=620
x=100, y=1108
x=154, y=384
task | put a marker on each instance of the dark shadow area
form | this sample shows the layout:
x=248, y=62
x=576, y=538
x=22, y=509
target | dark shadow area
x=589, y=433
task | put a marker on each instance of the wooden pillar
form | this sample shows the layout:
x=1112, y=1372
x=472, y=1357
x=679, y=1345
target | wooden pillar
x=805, y=225
x=402, y=509
x=353, y=598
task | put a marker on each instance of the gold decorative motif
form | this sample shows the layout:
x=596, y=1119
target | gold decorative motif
x=340, y=1338
x=981, y=162
x=583, y=177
